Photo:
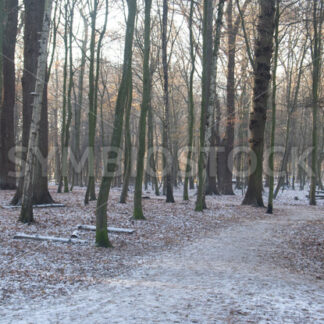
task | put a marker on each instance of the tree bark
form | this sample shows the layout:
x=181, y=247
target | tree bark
x=2, y=22
x=78, y=106
x=190, y=105
x=225, y=180
x=34, y=13
x=110, y=163
x=69, y=93
x=128, y=147
x=7, y=104
x=26, y=213
x=225, y=183
x=316, y=76
x=56, y=131
x=274, y=109
x=91, y=193
x=210, y=56
x=166, y=122
x=138, y=209
x=263, y=54
x=151, y=161
x=64, y=153
x=212, y=130
x=93, y=97
x=205, y=88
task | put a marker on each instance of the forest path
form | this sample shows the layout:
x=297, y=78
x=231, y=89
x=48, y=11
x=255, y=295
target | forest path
x=225, y=278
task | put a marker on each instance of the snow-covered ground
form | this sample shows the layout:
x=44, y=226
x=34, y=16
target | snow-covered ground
x=231, y=264
x=223, y=278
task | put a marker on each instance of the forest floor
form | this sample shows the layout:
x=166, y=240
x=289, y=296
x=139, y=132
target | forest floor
x=229, y=264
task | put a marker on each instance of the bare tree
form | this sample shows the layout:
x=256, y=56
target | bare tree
x=7, y=103
x=208, y=97
x=34, y=13
x=166, y=119
x=263, y=54
x=26, y=213
x=138, y=210
x=205, y=96
x=110, y=162
x=318, y=12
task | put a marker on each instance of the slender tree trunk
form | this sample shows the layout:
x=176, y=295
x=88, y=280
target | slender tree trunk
x=320, y=160
x=91, y=192
x=205, y=87
x=110, y=163
x=151, y=161
x=211, y=135
x=263, y=54
x=93, y=97
x=78, y=106
x=274, y=109
x=316, y=74
x=64, y=153
x=26, y=213
x=128, y=147
x=210, y=57
x=212, y=170
x=7, y=103
x=138, y=209
x=166, y=122
x=190, y=105
x=69, y=101
x=56, y=131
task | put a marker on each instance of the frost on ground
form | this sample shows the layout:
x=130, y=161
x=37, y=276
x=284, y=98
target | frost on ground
x=33, y=269
x=229, y=264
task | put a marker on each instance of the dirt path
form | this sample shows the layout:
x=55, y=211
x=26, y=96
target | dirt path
x=225, y=278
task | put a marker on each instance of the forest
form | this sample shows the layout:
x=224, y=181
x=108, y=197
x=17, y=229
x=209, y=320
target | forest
x=161, y=161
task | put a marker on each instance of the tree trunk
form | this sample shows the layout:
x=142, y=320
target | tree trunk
x=191, y=105
x=225, y=183
x=64, y=153
x=151, y=161
x=26, y=213
x=93, y=97
x=121, y=104
x=212, y=174
x=91, y=193
x=211, y=184
x=2, y=23
x=7, y=104
x=274, y=109
x=138, y=209
x=69, y=99
x=316, y=77
x=77, y=177
x=128, y=147
x=205, y=88
x=210, y=57
x=34, y=12
x=263, y=54
x=213, y=129
x=56, y=131
x=166, y=122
